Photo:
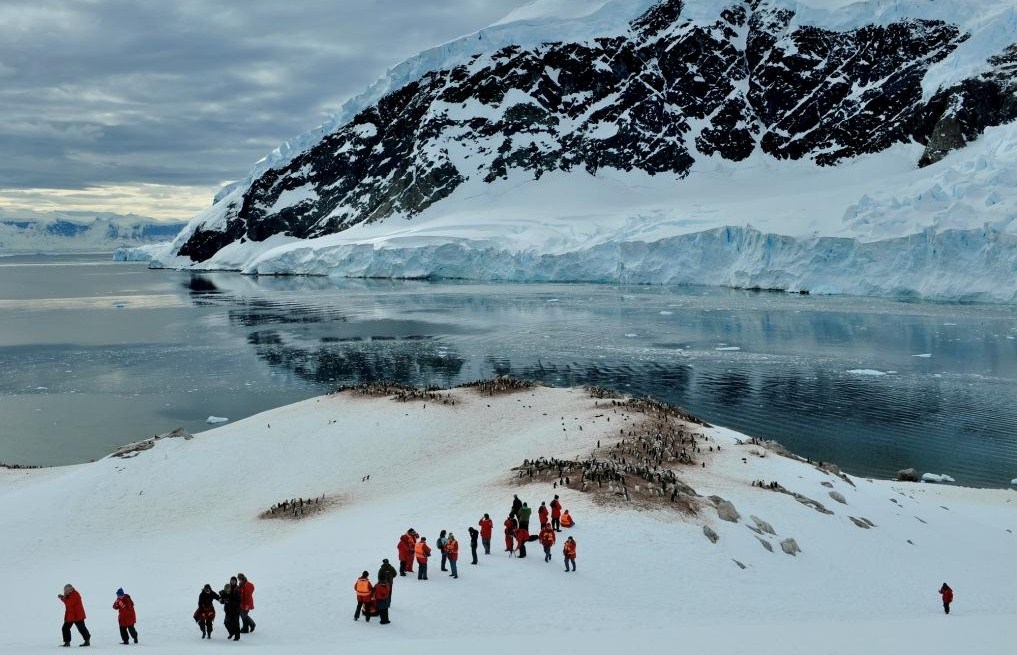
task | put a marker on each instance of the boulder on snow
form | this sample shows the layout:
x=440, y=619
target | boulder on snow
x=725, y=510
x=907, y=475
x=710, y=534
x=766, y=544
x=762, y=525
x=790, y=546
x=839, y=497
x=860, y=523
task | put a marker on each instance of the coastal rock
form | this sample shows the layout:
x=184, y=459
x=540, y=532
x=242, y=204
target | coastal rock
x=766, y=544
x=725, y=510
x=790, y=546
x=860, y=523
x=762, y=525
x=710, y=534
x=839, y=497
x=907, y=475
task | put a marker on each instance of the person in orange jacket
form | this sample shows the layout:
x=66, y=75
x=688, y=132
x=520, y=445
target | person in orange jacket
x=364, y=589
x=547, y=539
x=510, y=533
x=569, y=551
x=947, y=594
x=74, y=614
x=566, y=520
x=452, y=553
x=422, y=551
x=486, y=528
x=126, y=617
x=246, y=602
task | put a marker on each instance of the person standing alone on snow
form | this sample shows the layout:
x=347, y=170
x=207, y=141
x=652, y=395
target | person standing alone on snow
x=125, y=616
x=74, y=614
x=569, y=551
x=542, y=514
x=486, y=529
x=947, y=594
x=556, y=514
x=364, y=589
x=246, y=602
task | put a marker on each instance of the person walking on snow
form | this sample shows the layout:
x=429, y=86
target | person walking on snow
x=486, y=529
x=516, y=505
x=524, y=517
x=442, y=539
x=230, y=599
x=383, y=600
x=126, y=617
x=947, y=594
x=547, y=540
x=74, y=614
x=422, y=551
x=542, y=514
x=364, y=589
x=246, y=602
x=510, y=533
x=569, y=551
x=205, y=614
x=452, y=552
x=556, y=514
x=473, y=543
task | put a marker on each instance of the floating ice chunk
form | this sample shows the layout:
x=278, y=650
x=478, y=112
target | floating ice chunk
x=120, y=304
x=552, y=300
x=631, y=335
x=923, y=355
x=934, y=477
x=216, y=419
x=664, y=312
x=728, y=348
x=1014, y=481
x=866, y=371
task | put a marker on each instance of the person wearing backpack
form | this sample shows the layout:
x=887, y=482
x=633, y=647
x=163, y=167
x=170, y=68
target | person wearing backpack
x=364, y=589
x=442, y=540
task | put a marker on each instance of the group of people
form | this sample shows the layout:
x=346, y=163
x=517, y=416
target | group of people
x=237, y=599
x=552, y=519
x=74, y=615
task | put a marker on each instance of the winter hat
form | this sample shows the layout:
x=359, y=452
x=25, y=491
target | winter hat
x=384, y=561
x=120, y=591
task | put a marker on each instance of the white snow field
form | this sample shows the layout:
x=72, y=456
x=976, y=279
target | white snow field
x=186, y=512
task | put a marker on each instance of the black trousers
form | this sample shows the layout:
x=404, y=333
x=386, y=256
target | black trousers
x=946, y=608
x=82, y=630
x=232, y=623
x=444, y=560
x=384, y=616
x=556, y=523
x=248, y=621
x=547, y=553
x=361, y=607
x=125, y=629
x=206, y=627
x=421, y=570
x=473, y=551
x=487, y=546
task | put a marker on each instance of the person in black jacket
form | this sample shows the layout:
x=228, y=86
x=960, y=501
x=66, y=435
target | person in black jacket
x=230, y=599
x=387, y=573
x=474, y=533
x=205, y=614
x=516, y=506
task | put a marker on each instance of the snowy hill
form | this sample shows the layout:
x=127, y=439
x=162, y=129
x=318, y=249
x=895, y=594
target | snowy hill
x=56, y=232
x=163, y=521
x=838, y=147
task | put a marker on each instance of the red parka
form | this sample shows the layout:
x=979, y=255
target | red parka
x=74, y=609
x=452, y=550
x=404, y=548
x=947, y=593
x=555, y=509
x=547, y=536
x=542, y=513
x=247, y=596
x=125, y=610
x=486, y=527
x=569, y=549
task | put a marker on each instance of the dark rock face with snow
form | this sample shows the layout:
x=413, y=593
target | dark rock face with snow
x=654, y=99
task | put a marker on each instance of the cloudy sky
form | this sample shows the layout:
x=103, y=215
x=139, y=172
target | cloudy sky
x=148, y=106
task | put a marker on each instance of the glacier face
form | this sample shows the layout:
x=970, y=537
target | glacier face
x=646, y=131
x=57, y=232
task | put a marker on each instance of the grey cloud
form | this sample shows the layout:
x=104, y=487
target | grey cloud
x=113, y=92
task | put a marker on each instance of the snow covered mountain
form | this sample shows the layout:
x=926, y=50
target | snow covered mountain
x=55, y=232
x=838, y=147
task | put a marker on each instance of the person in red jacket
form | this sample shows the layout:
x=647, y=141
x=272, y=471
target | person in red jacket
x=510, y=533
x=542, y=514
x=405, y=551
x=947, y=594
x=556, y=514
x=452, y=552
x=364, y=589
x=569, y=551
x=486, y=528
x=422, y=551
x=125, y=615
x=74, y=614
x=383, y=600
x=547, y=540
x=522, y=536
x=246, y=602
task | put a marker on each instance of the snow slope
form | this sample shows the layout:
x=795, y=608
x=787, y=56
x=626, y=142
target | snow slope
x=185, y=512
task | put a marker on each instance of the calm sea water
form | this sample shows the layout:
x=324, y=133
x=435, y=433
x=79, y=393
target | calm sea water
x=94, y=354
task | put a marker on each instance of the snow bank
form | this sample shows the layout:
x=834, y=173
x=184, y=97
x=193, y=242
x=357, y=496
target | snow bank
x=186, y=512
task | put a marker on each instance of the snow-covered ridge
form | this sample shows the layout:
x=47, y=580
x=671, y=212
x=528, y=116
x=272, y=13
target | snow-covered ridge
x=55, y=232
x=194, y=508
x=514, y=156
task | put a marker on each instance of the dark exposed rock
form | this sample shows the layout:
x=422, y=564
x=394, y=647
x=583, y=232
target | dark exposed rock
x=650, y=99
x=908, y=475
